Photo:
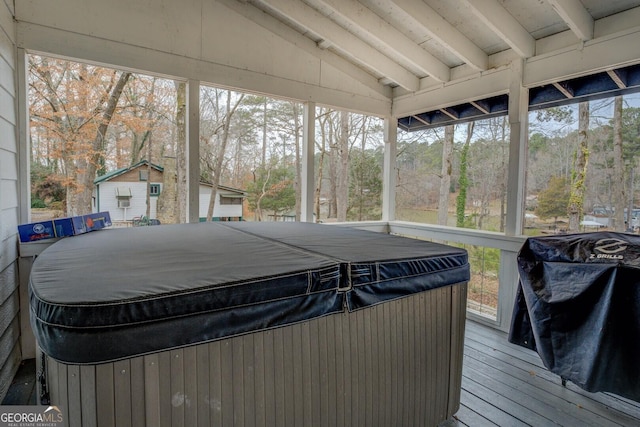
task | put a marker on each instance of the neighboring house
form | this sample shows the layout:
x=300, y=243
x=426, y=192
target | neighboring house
x=228, y=203
x=123, y=193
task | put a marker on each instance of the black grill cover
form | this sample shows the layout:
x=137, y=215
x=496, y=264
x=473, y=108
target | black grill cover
x=119, y=293
x=578, y=306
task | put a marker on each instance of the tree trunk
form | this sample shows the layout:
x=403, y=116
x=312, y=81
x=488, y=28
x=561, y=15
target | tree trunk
x=79, y=201
x=463, y=181
x=445, y=176
x=618, y=193
x=579, y=174
x=263, y=159
x=220, y=155
x=322, y=149
x=148, y=201
x=342, y=184
x=181, y=151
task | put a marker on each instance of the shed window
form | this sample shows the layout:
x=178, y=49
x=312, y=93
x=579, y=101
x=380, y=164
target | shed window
x=154, y=190
x=230, y=200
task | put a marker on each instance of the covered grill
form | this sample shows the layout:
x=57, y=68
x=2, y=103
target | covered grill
x=578, y=306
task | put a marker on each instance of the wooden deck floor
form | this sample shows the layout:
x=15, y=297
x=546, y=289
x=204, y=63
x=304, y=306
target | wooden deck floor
x=507, y=385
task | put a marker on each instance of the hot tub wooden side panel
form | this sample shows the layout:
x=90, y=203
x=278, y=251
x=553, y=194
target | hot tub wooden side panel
x=397, y=363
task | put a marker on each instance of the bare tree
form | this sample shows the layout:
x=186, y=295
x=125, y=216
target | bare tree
x=181, y=151
x=445, y=176
x=342, y=175
x=219, y=158
x=579, y=175
x=618, y=190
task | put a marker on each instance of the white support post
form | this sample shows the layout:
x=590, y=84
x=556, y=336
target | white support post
x=307, y=170
x=24, y=142
x=518, y=124
x=389, y=169
x=516, y=185
x=193, y=151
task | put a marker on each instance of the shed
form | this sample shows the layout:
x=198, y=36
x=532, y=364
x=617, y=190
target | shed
x=123, y=192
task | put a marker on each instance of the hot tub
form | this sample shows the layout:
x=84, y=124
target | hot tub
x=250, y=324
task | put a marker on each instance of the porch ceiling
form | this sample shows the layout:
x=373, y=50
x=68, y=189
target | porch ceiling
x=411, y=45
x=427, y=62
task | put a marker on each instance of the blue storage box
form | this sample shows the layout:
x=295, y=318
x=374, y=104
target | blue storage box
x=63, y=227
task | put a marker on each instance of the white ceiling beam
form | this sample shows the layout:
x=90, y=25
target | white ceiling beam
x=446, y=34
x=380, y=30
x=500, y=21
x=576, y=16
x=344, y=41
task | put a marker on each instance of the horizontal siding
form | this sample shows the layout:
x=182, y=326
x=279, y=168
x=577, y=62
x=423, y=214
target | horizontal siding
x=138, y=201
x=393, y=364
x=219, y=210
x=10, y=354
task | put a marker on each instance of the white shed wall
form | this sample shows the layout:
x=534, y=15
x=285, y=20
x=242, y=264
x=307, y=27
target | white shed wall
x=219, y=210
x=138, y=206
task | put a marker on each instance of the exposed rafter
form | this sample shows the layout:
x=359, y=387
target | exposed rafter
x=342, y=40
x=421, y=120
x=448, y=112
x=618, y=78
x=576, y=16
x=500, y=21
x=375, y=28
x=446, y=34
x=564, y=89
x=613, y=82
x=482, y=106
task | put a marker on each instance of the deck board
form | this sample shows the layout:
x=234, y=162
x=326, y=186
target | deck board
x=505, y=384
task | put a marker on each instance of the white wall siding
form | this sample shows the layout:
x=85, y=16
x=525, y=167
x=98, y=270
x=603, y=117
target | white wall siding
x=138, y=203
x=219, y=211
x=10, y=353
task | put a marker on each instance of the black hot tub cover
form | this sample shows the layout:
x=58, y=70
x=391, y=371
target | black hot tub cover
x=125, y=292
x=578, y=305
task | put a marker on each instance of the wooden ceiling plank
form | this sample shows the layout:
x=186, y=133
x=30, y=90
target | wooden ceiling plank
x=445, y=33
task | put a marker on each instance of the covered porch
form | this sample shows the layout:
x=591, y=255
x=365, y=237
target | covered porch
x=414, y=64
